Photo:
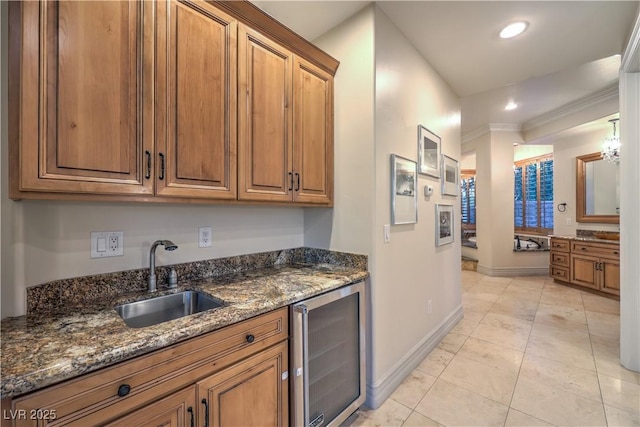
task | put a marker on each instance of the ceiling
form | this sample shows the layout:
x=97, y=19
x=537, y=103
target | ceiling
x=569, y=52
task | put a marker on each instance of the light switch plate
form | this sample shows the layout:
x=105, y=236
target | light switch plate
x=204, y=237
x=106, y=244
x=387, y=233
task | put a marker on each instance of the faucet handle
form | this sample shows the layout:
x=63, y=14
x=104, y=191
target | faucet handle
x=173, y=278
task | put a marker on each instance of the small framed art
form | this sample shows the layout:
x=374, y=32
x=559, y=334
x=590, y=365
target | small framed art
x=428, y=152
x=444, y=224
x=404, y=195
x=450, y=176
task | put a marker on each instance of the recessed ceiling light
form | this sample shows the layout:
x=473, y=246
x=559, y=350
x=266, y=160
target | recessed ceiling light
x=511, y=106
x=513, y=30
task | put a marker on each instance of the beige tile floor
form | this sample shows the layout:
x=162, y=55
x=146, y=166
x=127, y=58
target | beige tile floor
x=527, y=353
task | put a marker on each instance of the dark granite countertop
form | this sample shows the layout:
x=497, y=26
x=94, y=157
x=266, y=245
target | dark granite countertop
x=586, y=239
x=45, y=348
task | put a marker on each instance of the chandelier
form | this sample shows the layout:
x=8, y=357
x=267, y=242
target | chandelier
x=611, y=146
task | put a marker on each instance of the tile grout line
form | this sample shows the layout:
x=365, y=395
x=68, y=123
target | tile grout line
x=593, y=355
x=524, y=353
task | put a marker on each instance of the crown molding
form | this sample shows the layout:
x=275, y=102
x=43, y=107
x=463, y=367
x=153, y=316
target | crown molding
x=491, y=127
x=631, y=56
x=605, y=94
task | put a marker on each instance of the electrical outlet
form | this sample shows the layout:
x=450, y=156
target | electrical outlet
x=204, y=237
x=429, y=307
x=568, y=221
x=106, y=244
x=387, y=233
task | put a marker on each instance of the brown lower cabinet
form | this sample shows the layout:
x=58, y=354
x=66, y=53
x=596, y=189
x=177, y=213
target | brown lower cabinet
x=249, y=393
x=590, y=264
x=237, y=375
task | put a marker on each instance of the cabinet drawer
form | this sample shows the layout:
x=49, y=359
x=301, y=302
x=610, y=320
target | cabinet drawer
x=560, y=245
x=559, y=273
x=560, y=259
x=94, y=399
x=602, y=250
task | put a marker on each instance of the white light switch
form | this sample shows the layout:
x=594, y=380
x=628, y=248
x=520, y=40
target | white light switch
x=387, y=233
x=107, y=244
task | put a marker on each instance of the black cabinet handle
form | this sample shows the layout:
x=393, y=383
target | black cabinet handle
x=250, y=338
x=123, y=390
x=583, y=249
x=290, y=181
x=206, y=412
x=193, y=420
x=615, y=252
x=161, y=177
x=148, y=174
x=297, y=181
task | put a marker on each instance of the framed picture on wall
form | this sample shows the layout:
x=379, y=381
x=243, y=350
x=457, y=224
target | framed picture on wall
x=444, y=224
x=404, y=195
x=428, y=152
x=450, y=176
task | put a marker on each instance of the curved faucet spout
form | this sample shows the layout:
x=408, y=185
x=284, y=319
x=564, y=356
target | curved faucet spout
x=168, y=246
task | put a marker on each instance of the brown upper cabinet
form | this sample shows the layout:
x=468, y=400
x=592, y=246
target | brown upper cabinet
x=285, y=124
x=167, y=101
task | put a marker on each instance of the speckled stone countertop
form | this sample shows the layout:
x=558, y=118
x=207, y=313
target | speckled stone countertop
x=586, y=239
x=45, y=348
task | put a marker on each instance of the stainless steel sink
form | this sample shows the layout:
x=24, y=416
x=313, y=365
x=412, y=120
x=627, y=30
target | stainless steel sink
x=168, y=307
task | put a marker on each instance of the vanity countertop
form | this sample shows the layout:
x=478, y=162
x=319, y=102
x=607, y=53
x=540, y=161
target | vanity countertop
x=48, y=347
x=586, y=239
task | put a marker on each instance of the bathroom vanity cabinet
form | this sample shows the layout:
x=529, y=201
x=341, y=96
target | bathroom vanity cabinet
x=589, y=263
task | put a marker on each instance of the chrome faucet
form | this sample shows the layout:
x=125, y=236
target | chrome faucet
x=168, y=246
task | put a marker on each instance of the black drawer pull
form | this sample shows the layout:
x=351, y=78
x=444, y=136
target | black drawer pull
x=193, y=421
x=161, y=177
x=583, y=249
x=250, y=338
x=148, y=174
x=615, y=252
x=123, y=390
x=206, y=412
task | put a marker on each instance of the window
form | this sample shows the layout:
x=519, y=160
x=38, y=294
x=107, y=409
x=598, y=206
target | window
x=468, y=207
x=468, y=197
x=533, y=198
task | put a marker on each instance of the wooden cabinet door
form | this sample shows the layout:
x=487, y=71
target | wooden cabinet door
x=313, y=133
x=610, y=276
x=176, y=410
x=253, y=392
x=583, y=271
x=264, y=118
x=83, y=95
x=196, y=108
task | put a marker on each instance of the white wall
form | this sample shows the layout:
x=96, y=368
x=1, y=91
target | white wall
x=409, y=270
x=52, y=239
x=630, y=203
x=565, y=151
x=348, y=226
x=521, y=152
x=494, y=151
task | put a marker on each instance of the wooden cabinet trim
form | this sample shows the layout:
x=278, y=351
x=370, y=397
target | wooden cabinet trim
x=254, y=17
x=560, y=245
x=599, y=249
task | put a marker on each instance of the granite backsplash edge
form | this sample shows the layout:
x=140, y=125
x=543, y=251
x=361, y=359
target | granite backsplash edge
x=78, y=291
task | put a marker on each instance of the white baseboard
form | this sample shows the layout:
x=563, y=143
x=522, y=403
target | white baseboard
x=513, y=271
x=379, y=392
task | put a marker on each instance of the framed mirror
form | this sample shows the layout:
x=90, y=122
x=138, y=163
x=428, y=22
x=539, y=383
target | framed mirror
x=597, y=190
